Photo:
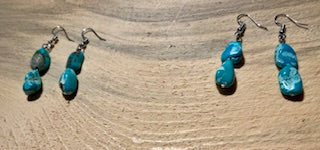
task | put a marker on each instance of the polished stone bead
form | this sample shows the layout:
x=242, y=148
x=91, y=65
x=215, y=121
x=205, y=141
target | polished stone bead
x=32, y=82
x=68, y=82
x=225, y=74
x=75, y=61
x=40, y=60
x=290, y=81
x=285, y=55
x=233, y=51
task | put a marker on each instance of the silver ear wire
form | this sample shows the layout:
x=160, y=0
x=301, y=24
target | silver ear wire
x=85, y=41
x=57, y=29
x=242, y=28
x=256, y=23
x=301, y=25
x=86, y=30
x=282, y=32
x=54, y=40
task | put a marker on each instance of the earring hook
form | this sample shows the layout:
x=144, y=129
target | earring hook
x=242, y=28
x=301, y=25
x=54, y=40
x=86, y=30
x=256, y=23
x=57, y=29
x=85, y=41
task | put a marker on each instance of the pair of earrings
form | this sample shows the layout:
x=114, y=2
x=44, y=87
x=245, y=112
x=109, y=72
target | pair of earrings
x=285, y=59
x=40, y=64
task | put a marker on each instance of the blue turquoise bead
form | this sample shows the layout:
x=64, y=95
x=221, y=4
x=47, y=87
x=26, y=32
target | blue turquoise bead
x=40, y=60
x=233, y=51
x=32, y=82
x=285, y=55
x=68, y=82
x=225, y=74
x=290, y=81
x=75, y=61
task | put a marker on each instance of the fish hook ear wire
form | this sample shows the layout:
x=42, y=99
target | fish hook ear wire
x=85, y=41
x=242, y=26
x=301, y=25
x=282, y=32
x=54, y=40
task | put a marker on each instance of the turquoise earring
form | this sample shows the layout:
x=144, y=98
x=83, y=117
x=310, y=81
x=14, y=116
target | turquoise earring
x=40, y=63
x=232, y=56
x=68, y=80
x=286, y=60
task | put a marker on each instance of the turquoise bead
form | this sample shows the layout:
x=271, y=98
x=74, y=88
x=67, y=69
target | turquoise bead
x=225, y=74
x=290, y=81
x=32, y=82
x=75, y=61
x=285, y=55
x=68, y=82
x=40, y=60
x=233, y=51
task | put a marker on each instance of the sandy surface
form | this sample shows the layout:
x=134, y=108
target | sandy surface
x=151, y=84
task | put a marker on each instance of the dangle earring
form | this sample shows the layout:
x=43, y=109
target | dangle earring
x=286, y=60
x=68, y=81
x=40, y=63
x=232, y=57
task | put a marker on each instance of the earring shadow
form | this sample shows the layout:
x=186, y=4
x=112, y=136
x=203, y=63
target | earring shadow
x=78, y=71
x=35, y=96
x=298, y=98
x=242, y=62
x=73, y=95
x=42, y=73
x=228, y=91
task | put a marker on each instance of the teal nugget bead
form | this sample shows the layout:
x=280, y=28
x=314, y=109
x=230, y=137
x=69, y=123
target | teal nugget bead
x=75, y=61
x=290, y=81
x=40, y=60
x=233, y=51
x=32, y=82
x=225, y=74
x=285, y=55
x=68, y=82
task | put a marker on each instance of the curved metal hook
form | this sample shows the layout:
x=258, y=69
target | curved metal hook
x=256, y=23
x=301, y=25
x=57, y=29
x=86, y=30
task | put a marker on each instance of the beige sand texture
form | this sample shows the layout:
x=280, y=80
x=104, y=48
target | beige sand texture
x=151, y=84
